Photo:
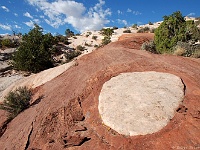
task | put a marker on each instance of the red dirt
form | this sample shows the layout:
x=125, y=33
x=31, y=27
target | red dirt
x=68, y=117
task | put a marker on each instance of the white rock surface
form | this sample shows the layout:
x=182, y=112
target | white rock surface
x=34, y=80
x=140, y=103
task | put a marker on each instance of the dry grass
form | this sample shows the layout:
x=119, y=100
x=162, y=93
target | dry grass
x=179, y=51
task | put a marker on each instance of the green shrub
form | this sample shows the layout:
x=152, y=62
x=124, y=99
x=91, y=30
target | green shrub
x=134, y=26
x=149, y=46
x=144, y=30
x=150, y=23
x=80, y=48
x=94, y=37
x=106, y=40
x=127, y=31
x=72, y=54
x=96, y=46
x=16, y=101
x=174, y=28
x=7, y=43
x=107, y=32
x=69, y=33
x=115, y=28
x=34, y=53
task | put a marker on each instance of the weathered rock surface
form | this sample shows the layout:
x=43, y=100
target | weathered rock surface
x=68, y=116
x=140, y=103
x=32, y=81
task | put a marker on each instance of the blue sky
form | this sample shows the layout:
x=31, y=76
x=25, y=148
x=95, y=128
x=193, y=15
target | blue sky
x=56, y=16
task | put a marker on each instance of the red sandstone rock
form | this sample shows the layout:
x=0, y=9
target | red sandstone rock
x=68, y=117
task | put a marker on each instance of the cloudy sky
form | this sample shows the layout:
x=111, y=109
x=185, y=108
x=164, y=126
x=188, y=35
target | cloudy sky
x=56, y=16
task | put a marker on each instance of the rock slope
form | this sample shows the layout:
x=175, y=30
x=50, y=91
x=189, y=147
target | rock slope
x=68, y=117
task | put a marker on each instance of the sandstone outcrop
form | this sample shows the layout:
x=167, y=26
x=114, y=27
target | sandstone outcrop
x=140, y=103
x=67, y=116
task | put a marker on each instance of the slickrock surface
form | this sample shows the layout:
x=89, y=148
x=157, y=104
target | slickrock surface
x=140, y=103
x=68, y=116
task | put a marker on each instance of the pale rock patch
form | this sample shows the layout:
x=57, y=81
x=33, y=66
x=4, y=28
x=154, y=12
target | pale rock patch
x=140, y=103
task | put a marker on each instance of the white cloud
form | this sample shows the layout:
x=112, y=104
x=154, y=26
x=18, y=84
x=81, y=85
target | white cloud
x=5, y=8
x=129, y=10
x=28, y=15
x=5, y=27
x=136, y=13
x=17, y=27
x=30, y=23
x=119, y=12
x=191, y=14
x=62, y=12
x=122, y=22
x=37, y=21
x=16, y=14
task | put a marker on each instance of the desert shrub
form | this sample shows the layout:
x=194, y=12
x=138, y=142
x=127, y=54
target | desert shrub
x=127, y=31
x=60, y=38
x=72, y=54
x=86, y=44
x=107, y=35
x=34, y=53
x=174, y=28
x=7, y=43
x=134, y=26
x=115, y=28
x=74, y=37
x=66, y=42
x=69, y=33
x=80, y=48
x=150, y=23
x=94, y=37
x=89, y=33
x=106, y=40
x=196, y=53
x=16, y=101
x=149, y=46
x=96, y=45
x=192, y=31
x=144, y=30
x=107, y=32
x=186, y=49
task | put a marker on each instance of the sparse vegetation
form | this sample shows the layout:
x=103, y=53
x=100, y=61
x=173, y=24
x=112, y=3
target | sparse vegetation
x=144, y=30
x=127, y=31
x=94, y=37
x=16, y=101
x=135, y=26
x=150, y=23
x=7, y=43
x=107, y=32
x=80, y=48
x=106, y=40
x=186, y=49
x=69, y=33
x=107, y=35
x=149, y=46
x=72, y=54
x=115, y=28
